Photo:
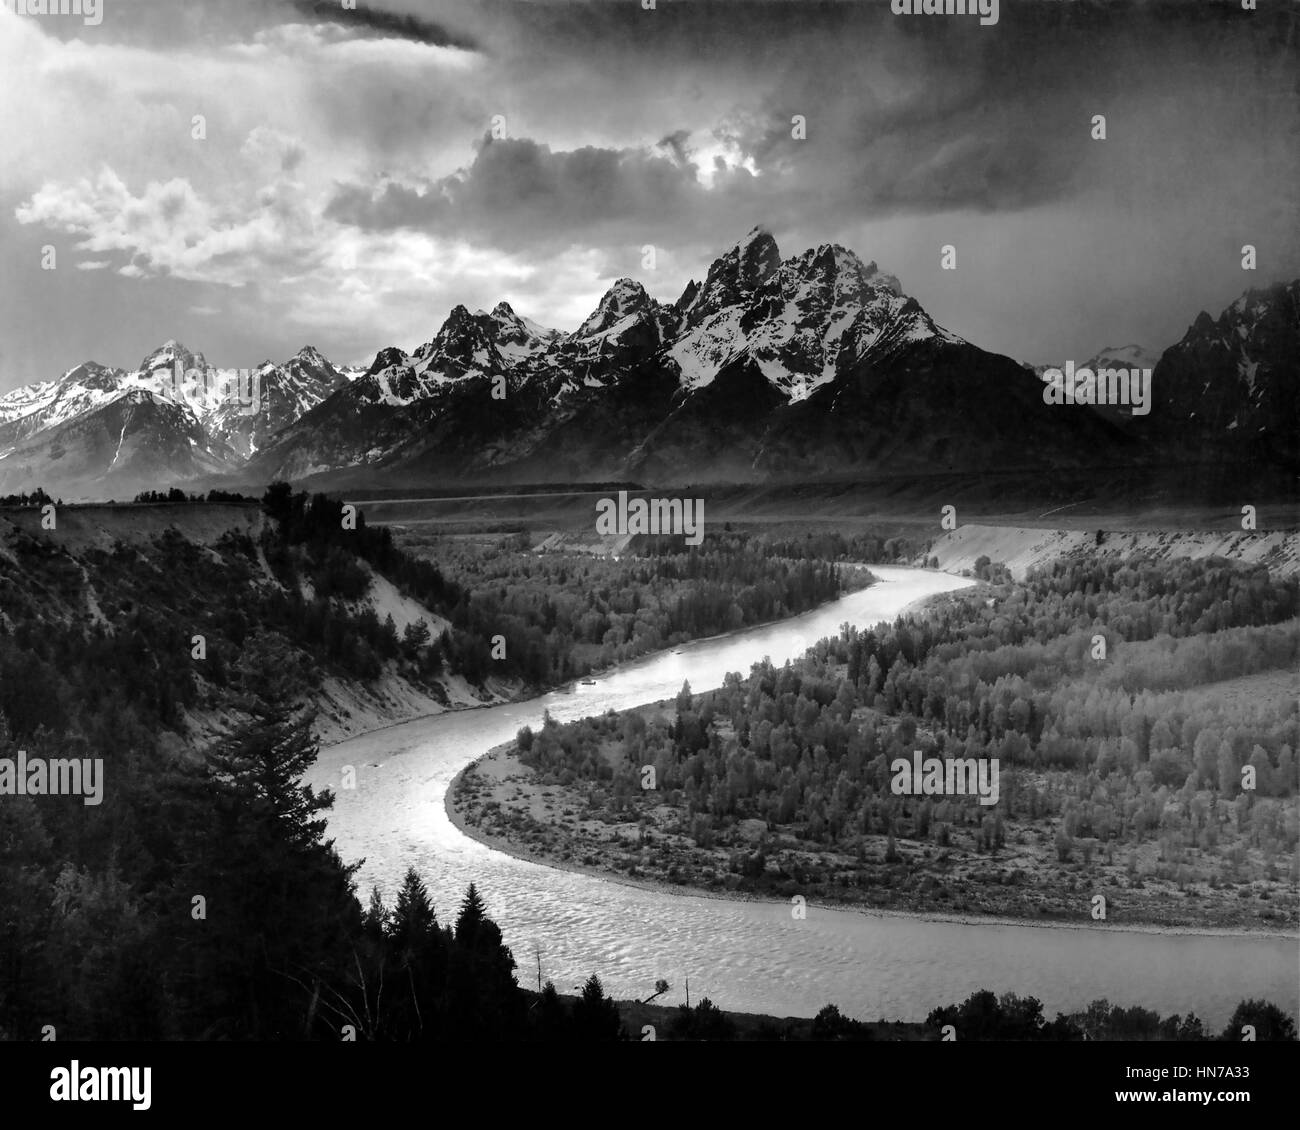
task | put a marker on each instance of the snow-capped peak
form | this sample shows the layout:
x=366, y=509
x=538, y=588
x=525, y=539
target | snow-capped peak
x=623, y=301
x=33, y=408
x=801, y=321
x=518, y=337
x=734, y=276
x=480, y=343
x=1123, y=357
x=310, y=355
x=849, y=278
x=170, y=352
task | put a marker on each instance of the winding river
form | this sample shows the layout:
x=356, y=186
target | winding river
x=748, y=955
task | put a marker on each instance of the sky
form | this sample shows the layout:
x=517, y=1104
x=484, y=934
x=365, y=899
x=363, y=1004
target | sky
x=253, y=176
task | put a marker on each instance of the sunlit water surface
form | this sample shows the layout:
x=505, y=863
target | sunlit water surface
x=746, y=955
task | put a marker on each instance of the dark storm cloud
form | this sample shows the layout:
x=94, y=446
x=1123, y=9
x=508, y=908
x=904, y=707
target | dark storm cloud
x=903, y=115
x=181, y=22
x=519, y=192
x=670, y=127
x=401, y=25
x=906, y=115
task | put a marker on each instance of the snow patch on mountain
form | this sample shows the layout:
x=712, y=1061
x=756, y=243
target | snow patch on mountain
x=803, y=320
x=1122, y=357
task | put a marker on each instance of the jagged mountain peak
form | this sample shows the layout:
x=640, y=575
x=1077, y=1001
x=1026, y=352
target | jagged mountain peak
x=691, y=289
x=626, y=298
x=517, y=337
x=480, y=342
x=756, y=254
x=386, y=358
x=1259, y=301
x=734, y=276
x=91, y=374
x=459, y=328
x=1259, y=310
x=802, y=321
x=844, y=271
x=309, y=366
x=167, y=354
x=818, y=362
x=627, y=287
x=1231, y=381
x=510, y=323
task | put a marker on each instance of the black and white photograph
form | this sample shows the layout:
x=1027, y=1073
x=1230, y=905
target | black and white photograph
x=536, y=524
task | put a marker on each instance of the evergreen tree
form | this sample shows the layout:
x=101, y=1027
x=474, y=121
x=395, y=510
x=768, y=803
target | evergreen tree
x=595, y=1016
x=471, y=918
x=550, y=1019
x=419, y=950
x=377, y=917
x=484, y=1001
x=703, y=1022
x=278, y=905
x=413, y=919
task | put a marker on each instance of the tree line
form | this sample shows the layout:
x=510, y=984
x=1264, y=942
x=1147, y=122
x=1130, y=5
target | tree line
x=561, y=616
x=1082, y=742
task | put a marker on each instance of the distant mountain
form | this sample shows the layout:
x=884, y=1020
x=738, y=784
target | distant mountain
x=34, y=408
x=436, y=405
x=802, y=321
x=134, y=441
x=1122, y=357
x=1109, y=357
x=1224, y=396
x=286, y=392
x=100, y=431
x=1128, y=357
x=822, y=366
x=1229, y=387
x=814, y=366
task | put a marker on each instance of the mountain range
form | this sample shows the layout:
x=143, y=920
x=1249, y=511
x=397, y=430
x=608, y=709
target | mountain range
x=818, y=366
x=97, y=431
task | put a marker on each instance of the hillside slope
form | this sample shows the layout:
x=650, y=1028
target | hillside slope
x=131, y=588
x=1022, y=548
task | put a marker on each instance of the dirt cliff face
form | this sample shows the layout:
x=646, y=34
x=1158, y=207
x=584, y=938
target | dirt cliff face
x=1022, y=548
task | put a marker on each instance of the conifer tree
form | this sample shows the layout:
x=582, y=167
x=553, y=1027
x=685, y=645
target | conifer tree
x=278, y=905
x=595, y=1016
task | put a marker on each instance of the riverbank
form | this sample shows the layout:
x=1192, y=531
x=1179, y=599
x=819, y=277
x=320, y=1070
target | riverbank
x=498, y=801
x=346, y=711
x=666, y=1019
x=747, y=953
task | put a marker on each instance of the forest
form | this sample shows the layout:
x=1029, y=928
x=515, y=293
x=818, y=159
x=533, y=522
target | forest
x=204, y=903
x=565, y=615
x=134, y=609
x=36, y=497
x=210, y=906
x=203, y=899
x=101, y=935
x=1095, y=683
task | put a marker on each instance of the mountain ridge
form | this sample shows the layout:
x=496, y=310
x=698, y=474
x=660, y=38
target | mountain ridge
x=814, y=365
